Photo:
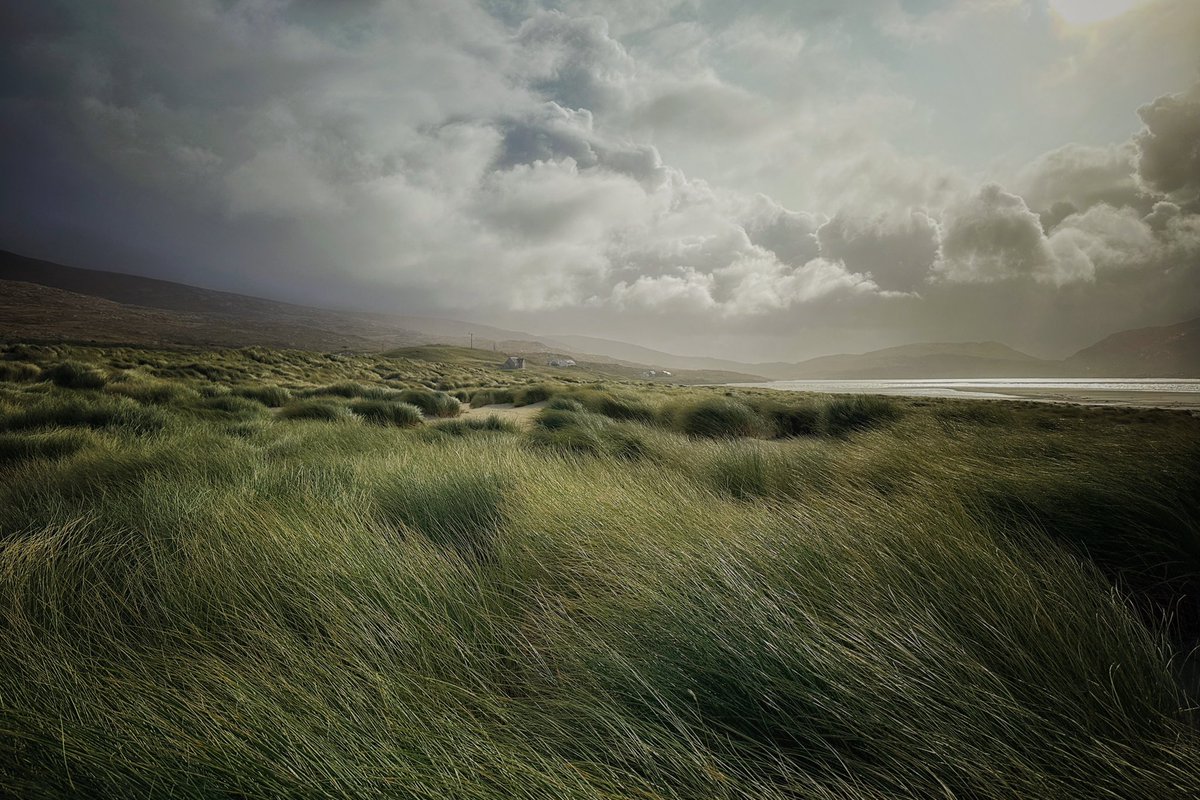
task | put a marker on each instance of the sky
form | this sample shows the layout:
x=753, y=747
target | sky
x=761, y=180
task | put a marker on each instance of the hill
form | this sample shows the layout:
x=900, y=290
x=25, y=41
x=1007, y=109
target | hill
x=48, y=301
x=1171, y=351
x=211, y=317
x=932, y=360
x=636, y=354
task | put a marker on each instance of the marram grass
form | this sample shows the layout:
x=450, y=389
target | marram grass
x=949, y=604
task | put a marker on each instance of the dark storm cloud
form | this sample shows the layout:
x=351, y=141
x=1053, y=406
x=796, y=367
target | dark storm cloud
x=554, y=133
x=897, y=252
x=790, y=235
x=994, y=236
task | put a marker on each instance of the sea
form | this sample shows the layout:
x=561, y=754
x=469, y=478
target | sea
x=1136, y=392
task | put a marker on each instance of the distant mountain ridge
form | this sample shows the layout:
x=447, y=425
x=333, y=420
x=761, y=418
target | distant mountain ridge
x=41, y=299
x=1170, y=351
x=932, y=360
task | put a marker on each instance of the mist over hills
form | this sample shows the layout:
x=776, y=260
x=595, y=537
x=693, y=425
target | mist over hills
x=44, y=300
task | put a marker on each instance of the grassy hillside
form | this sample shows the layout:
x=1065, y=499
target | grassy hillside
x=53, y=302
x=259, y=574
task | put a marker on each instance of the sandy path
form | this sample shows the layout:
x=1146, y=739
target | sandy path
x=522, y=416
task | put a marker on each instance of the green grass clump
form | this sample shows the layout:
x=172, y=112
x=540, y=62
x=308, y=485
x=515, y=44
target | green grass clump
x=568, y=431
x=790, y=420
x=268, y=395
x=153, y=392
x=528, y=395
x=432, y=404
x=717, y=417
x=844, y=414
x=233, y=404
x=564, y=404
x=587, y=433
x=388, y=412
x=85, y=412
x=19, y=371
x=613, y=405
x=491, y=397
x=323, y=410
x=351, y=390
x=74, y=375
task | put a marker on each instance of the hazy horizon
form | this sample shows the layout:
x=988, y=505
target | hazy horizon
x=774, y=181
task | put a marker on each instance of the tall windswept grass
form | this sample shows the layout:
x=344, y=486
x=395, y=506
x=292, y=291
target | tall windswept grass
x=489, y=424
x=19, y=371
x=458, y=510
x=858, y=412
x=267, y=394
x=323, y=410
x=68, y=411
x=388, y=412
x=198, y=603
x=433, y=404
x=491, y=397
x=718, y=417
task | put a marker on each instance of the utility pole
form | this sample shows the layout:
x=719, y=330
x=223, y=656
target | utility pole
x=472, y=341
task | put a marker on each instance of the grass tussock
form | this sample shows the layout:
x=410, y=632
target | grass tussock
x=788, y=420
x=154, y=392
x=351, y=390
x=491, y=397
x=528, y=395
x=234, y=405
x=19, y=371
x=268, y=395
x=323, y=410
x=717, y=417
x=83, y=411
x=851, y=413
x=74, y=375
x=388, y=412
x=433, y=404
x=614, y=405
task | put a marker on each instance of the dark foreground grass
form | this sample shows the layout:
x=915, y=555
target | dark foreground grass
x=936, y=604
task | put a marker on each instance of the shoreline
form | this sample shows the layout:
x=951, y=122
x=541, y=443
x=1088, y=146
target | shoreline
x=1097, y=393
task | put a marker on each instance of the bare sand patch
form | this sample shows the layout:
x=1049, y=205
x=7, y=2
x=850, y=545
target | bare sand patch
x=521, y=415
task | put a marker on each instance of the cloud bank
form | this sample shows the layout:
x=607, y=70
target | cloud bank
x=745, y=183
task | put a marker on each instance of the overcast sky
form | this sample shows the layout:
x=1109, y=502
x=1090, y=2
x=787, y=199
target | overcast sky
x=758, y=180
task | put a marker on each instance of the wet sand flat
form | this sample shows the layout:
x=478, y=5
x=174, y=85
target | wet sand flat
x=1171, y=400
